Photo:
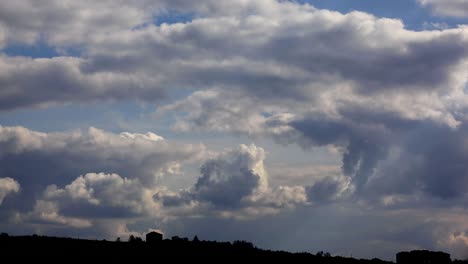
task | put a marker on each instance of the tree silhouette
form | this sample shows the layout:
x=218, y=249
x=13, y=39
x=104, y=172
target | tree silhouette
x=134, y=239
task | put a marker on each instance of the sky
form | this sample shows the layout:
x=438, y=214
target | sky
x=312, y=125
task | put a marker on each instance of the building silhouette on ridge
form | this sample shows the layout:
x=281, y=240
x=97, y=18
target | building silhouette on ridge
x=423, y=257
x=154, y=237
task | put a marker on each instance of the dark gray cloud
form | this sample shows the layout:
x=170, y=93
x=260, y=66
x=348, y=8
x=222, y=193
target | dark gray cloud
x=435, y=163
x=330, y=189
x=365, y=144
x=223, y=190
x=395, y=157
x=61, y=80
x=229, y=181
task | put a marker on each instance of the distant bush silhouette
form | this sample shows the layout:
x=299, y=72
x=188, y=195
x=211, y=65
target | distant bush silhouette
x=179, y=239
x=243, y=245
x=322, y=254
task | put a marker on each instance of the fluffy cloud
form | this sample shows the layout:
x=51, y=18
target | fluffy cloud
x=8, y=186
x=226, y=181
x=37, y=160
x=58, y=155
x=102, y=195
x=93, y=198
x=234, y=184
x=454, y=8
x=221, y=111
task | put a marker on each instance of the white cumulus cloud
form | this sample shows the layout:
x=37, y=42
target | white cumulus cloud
x=7, y=187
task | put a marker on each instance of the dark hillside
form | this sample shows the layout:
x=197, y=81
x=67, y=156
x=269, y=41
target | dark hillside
x=175, y=247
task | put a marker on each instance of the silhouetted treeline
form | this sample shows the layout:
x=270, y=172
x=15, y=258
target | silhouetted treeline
x=136, y=247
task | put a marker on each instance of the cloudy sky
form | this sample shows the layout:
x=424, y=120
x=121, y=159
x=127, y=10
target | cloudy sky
x=306, y=125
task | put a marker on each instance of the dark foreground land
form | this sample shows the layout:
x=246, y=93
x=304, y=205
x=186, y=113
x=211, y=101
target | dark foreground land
x=70, y=248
